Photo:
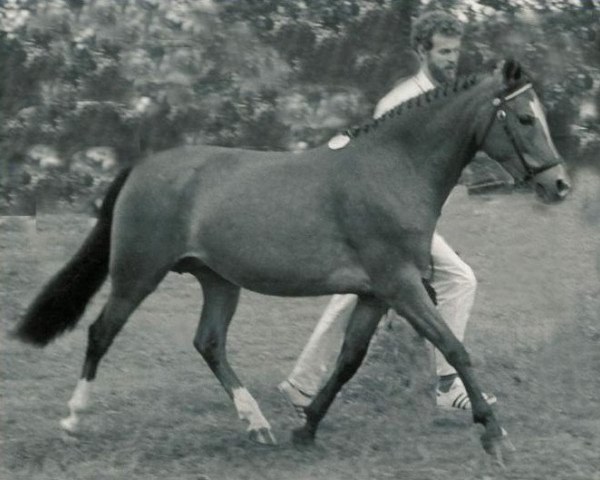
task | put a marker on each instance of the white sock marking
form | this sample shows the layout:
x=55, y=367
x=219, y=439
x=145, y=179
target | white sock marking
x=249, y=410
x=78, y=402
x=81, y=396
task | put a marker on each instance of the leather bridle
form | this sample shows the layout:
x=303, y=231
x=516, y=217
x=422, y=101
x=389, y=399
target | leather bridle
x=500, y=107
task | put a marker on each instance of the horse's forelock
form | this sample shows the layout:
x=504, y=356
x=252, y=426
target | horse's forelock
x=513, y=75
x=514, y=85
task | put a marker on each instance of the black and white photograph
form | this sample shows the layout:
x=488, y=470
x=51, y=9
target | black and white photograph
x=299, y=239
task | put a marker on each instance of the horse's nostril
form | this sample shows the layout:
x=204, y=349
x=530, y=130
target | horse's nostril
x=562, y=186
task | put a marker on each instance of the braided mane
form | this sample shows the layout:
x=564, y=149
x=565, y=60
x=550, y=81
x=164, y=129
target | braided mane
x=443, y=91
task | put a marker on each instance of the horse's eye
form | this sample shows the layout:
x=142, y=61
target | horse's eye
x=526, y=119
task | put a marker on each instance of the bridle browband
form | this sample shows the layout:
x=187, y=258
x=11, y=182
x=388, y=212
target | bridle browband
x=500, y=115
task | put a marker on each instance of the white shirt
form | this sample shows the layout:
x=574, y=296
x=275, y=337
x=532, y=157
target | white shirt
x=409, y=88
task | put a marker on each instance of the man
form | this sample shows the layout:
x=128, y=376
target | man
x=436, y=39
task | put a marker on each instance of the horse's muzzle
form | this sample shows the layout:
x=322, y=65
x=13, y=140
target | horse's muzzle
x=552, y=185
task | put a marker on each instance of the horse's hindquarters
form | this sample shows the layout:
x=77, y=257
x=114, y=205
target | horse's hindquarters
x=146, y=238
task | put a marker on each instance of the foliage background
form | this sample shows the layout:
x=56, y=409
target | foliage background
x=89, y=85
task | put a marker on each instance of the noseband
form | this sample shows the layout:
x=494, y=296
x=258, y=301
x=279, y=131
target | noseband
x=500, y=107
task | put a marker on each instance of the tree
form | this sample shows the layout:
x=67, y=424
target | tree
x=143, y=75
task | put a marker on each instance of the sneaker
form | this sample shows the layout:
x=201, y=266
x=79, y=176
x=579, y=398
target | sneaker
x=456, y=397
x=296, y=397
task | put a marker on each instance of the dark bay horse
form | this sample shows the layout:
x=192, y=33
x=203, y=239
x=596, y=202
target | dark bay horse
x=357, y=219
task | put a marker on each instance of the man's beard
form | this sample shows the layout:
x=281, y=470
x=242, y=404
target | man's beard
x=442, y=75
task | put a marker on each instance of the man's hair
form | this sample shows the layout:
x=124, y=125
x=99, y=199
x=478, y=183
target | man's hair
x=430, y=23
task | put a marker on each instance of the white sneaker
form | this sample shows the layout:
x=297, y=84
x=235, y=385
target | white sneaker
x=456, y=397
x=296, y=397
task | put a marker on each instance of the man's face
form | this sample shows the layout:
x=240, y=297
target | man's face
x=442, y=60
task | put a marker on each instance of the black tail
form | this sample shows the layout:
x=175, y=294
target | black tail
x=61, y=303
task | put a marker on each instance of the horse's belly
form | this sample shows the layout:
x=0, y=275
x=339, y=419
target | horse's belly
x=287, y=269
x=301, y=283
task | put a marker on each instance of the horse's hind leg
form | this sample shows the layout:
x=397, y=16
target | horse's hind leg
x=361, y=327
x=120, y=305
x=220, y=301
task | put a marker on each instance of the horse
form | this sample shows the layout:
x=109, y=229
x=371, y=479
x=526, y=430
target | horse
x=355, y=216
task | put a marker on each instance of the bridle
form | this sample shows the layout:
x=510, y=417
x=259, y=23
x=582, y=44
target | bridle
x=500, y=106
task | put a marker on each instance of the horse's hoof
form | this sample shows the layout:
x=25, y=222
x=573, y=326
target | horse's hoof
x=499, y=447
x=263, y=435
x=302, y=436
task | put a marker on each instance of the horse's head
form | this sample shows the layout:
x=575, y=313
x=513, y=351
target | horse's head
x=515, y=133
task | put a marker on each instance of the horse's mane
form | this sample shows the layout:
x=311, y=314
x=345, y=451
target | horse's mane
x=443, y=91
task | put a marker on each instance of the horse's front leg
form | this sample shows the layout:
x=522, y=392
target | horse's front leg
x=411, y=300
x=361, y=326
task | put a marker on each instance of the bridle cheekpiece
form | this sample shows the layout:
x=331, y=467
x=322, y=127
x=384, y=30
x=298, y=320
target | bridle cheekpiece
x=499, y=114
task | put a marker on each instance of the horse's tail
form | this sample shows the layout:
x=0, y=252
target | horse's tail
x=61, y=303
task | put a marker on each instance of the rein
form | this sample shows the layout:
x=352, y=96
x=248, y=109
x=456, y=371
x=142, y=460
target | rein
x=500, y=104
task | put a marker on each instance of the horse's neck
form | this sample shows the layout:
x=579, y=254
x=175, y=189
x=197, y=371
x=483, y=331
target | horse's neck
x=436, y=140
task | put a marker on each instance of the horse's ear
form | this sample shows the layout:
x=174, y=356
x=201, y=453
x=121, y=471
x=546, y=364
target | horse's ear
x=512, y=71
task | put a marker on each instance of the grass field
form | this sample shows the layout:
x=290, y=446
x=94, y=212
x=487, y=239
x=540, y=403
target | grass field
x=158, y=413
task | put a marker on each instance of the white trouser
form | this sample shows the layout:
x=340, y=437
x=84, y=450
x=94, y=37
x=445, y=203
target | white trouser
x=454, y=283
